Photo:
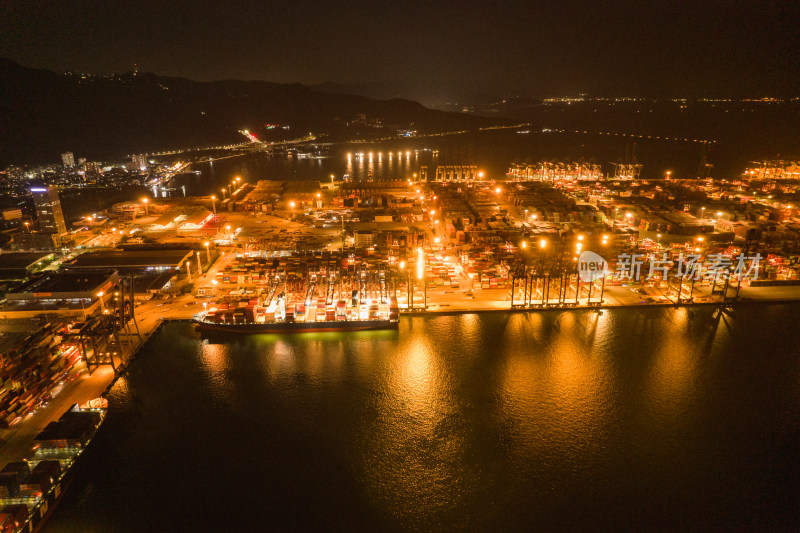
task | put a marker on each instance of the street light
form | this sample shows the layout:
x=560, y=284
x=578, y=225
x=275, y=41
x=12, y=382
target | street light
x=146, y=210
x=28, y=226
x=208, y=252
x=542, y=243
x=214, y=203
x=523, y=245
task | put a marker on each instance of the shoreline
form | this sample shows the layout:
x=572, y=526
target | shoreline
x=599, y=306
x=27, y=430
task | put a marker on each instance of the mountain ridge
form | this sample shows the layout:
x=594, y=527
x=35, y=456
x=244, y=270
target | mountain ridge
x=101, y=117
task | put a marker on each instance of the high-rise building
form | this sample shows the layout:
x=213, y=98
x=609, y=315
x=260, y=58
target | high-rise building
x=139, y=161
x=68, y=158
x=50, y=218
x=93, y=167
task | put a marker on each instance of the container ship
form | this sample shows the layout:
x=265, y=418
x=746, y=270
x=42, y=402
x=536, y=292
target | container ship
x=30, y=489
x=263, y=291
x=282, y=315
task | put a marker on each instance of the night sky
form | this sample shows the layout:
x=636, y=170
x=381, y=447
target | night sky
x=652, y=48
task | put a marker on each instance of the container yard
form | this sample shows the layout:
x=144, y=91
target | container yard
x=32, y=365
x=31, y=488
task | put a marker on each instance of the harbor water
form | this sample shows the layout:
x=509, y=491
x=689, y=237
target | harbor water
x=625, y=419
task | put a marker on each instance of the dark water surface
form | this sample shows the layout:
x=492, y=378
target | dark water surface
x=639, y=418
x=491, y=151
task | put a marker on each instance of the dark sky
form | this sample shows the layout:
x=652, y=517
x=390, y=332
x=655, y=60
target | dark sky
x=438, y=49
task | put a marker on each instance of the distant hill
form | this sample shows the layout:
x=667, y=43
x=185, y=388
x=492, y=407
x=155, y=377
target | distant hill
x=98, y=117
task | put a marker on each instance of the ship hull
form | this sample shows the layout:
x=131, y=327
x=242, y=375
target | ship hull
x=297, y=327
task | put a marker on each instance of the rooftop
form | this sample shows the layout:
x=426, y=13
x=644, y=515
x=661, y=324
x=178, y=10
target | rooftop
x=68, y=282
x=20, y=260
x=132, y=258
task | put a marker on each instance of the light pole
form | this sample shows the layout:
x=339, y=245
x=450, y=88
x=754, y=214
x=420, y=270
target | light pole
x=546, y=283
x=214, y=203
x=402, y=266
x=146, y=210
x=28, y=227
x=208, y=252
x=421, y=277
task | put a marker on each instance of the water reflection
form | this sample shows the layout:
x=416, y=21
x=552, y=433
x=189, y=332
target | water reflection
x=414, y=447
x=496, y=422
x=556, y=399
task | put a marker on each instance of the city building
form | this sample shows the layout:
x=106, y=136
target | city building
x=139, y=161
x=60, y=296
x=50, y=218
x=131, y=260
x=68, y=159
x=37, y=240
x=18, y=265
